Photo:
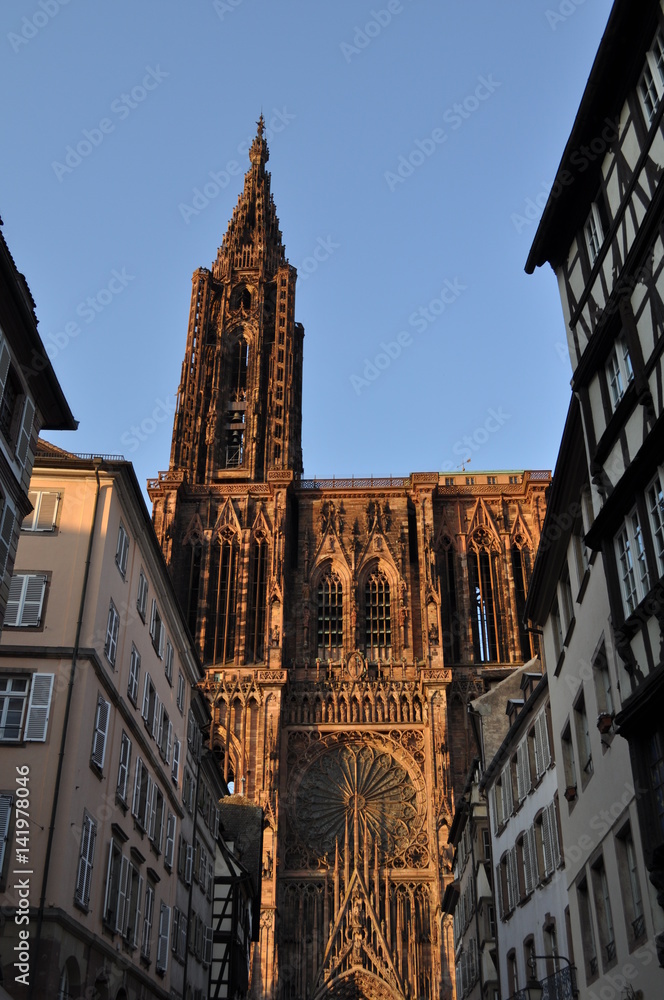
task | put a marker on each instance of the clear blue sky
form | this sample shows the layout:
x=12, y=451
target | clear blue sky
x=169, y=93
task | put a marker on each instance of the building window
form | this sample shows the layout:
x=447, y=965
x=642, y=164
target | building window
x=164, y=932
x=150, y=705
x=451, y=634
x=85, y=862
x=330, y=614
x=655, y=500
x=45, y=505
x=651, y=84
x=521, y=575
x=603, y=689
x=220, y=635
x=146, y=936
x=484, y=608
x=142, y=798
x=378, y=622
x=157, y=631
x=631, y=886
x=619, y=371
x=547, y=842
x=523, y=782
x=123, y=769
x=514, y=480
x=449, y=480
x=491, y=480
x=180, y=694
x=656, y=772
x=134, y=672
x=142, y=597
x=257, y=601
x=14, y=693
x=542, y=744
x=602, y=898
x=632, y=565
x=26, y=600
x=175, y=768
x=16, y=409
x=112, y=631
x=171, y=825
x=587, y=931
x=583, y=739
x=122, y=550
x=569, y=764
x=470, y=480
x=595, y=228
x=168, y=662
x=100, y=733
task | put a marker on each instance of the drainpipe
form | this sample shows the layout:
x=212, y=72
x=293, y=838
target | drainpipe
x=199, y=761
x=70, y=690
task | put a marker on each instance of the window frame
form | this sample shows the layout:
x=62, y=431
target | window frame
x=22, y=602
x=631, y=558
x=122, y=550
x=85, y=862
x=31, y=523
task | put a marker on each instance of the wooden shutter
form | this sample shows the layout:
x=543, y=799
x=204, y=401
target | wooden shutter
x=528, y=869
x=522, y=770
x=86, y=858
x=33, y=600
x=164, y=927
x=555, y=842
x=6, y=533
x=137, y=912
x=547, y=843
x=121, y=905
x=5, y=359
x=112, y=629
x=147, y=923
x=146, y=697
x=169, y=742
x=109, y=884
x=14, y=599
x=170, y=839
x=25, y=432
x=100, y=733
x=123, y=770
x=149, y=812
x=45, y=508
x=5, y=816
x=506, y=782
x=207, y=949
x=189, y=864
x=175, y=770
x=36, y=722
x=499, y=891
x=136, y=800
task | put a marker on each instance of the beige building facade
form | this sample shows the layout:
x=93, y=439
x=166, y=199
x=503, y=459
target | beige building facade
x=102, y=803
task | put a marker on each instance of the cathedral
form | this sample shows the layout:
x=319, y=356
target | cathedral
x=343, y=625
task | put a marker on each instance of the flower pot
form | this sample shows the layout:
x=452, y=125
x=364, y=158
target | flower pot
x=605, y=722
x=570, y=793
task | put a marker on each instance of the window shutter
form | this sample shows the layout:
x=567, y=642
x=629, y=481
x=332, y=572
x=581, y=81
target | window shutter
x=170, y=839
x=175, y=770
x=100, y=732
x=153, y=616
x=158, y=721
x=207, y=950
x=216, y=822
x=5, y=359
x=528, y=872
x=175, y=934
x=14, y=599
x=149, y=814
x=48, y=511
x=499, y=891
x=6, y=532
x=507, y=791
x=86, y=857
x=189, y=863
x=539, y=752
x=109, y=884
x=553, y=822
x=146, y=697
x=123, y=770
x=121, y=905
x=164, y=927
x=38, y=708
x=182, y=943
x=5, y=816
x=547, y=845
x=522, y=770
x=25, y=432
x=546, y=749
x=137, y=912
x=162, y=634
x=112, y=629
x=147, y=923
x=169, y=742
x=137, y=788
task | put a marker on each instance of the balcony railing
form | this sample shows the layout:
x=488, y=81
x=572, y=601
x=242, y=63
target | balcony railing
x=560, y=986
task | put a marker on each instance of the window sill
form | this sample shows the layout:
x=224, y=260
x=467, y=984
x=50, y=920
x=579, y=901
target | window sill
x=583, y=586
x=559, y=663
x=97, y=771
x=570, y=630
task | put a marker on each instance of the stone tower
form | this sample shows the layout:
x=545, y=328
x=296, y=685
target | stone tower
x=344, y=624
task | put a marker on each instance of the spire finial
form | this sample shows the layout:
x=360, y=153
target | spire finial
x=261, y=125
x=258, y=153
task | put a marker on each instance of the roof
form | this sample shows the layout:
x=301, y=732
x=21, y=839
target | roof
x=615, y=71
x=19, y=325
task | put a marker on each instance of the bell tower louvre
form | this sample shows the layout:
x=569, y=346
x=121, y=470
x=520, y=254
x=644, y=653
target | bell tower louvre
x=344, y=625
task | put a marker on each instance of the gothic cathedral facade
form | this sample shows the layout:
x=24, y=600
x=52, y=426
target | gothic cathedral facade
x=343, y=625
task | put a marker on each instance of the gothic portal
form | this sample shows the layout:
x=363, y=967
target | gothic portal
x=343, y=625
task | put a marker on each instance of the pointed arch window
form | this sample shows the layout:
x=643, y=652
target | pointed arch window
x=330, y=614
x=239, y=368
x=521, y=573
x=195, y=558
x=377, y=609
x=451, y=649
x=257, y=601
x=220, y=637
x=236, y=414
x=485, y=600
